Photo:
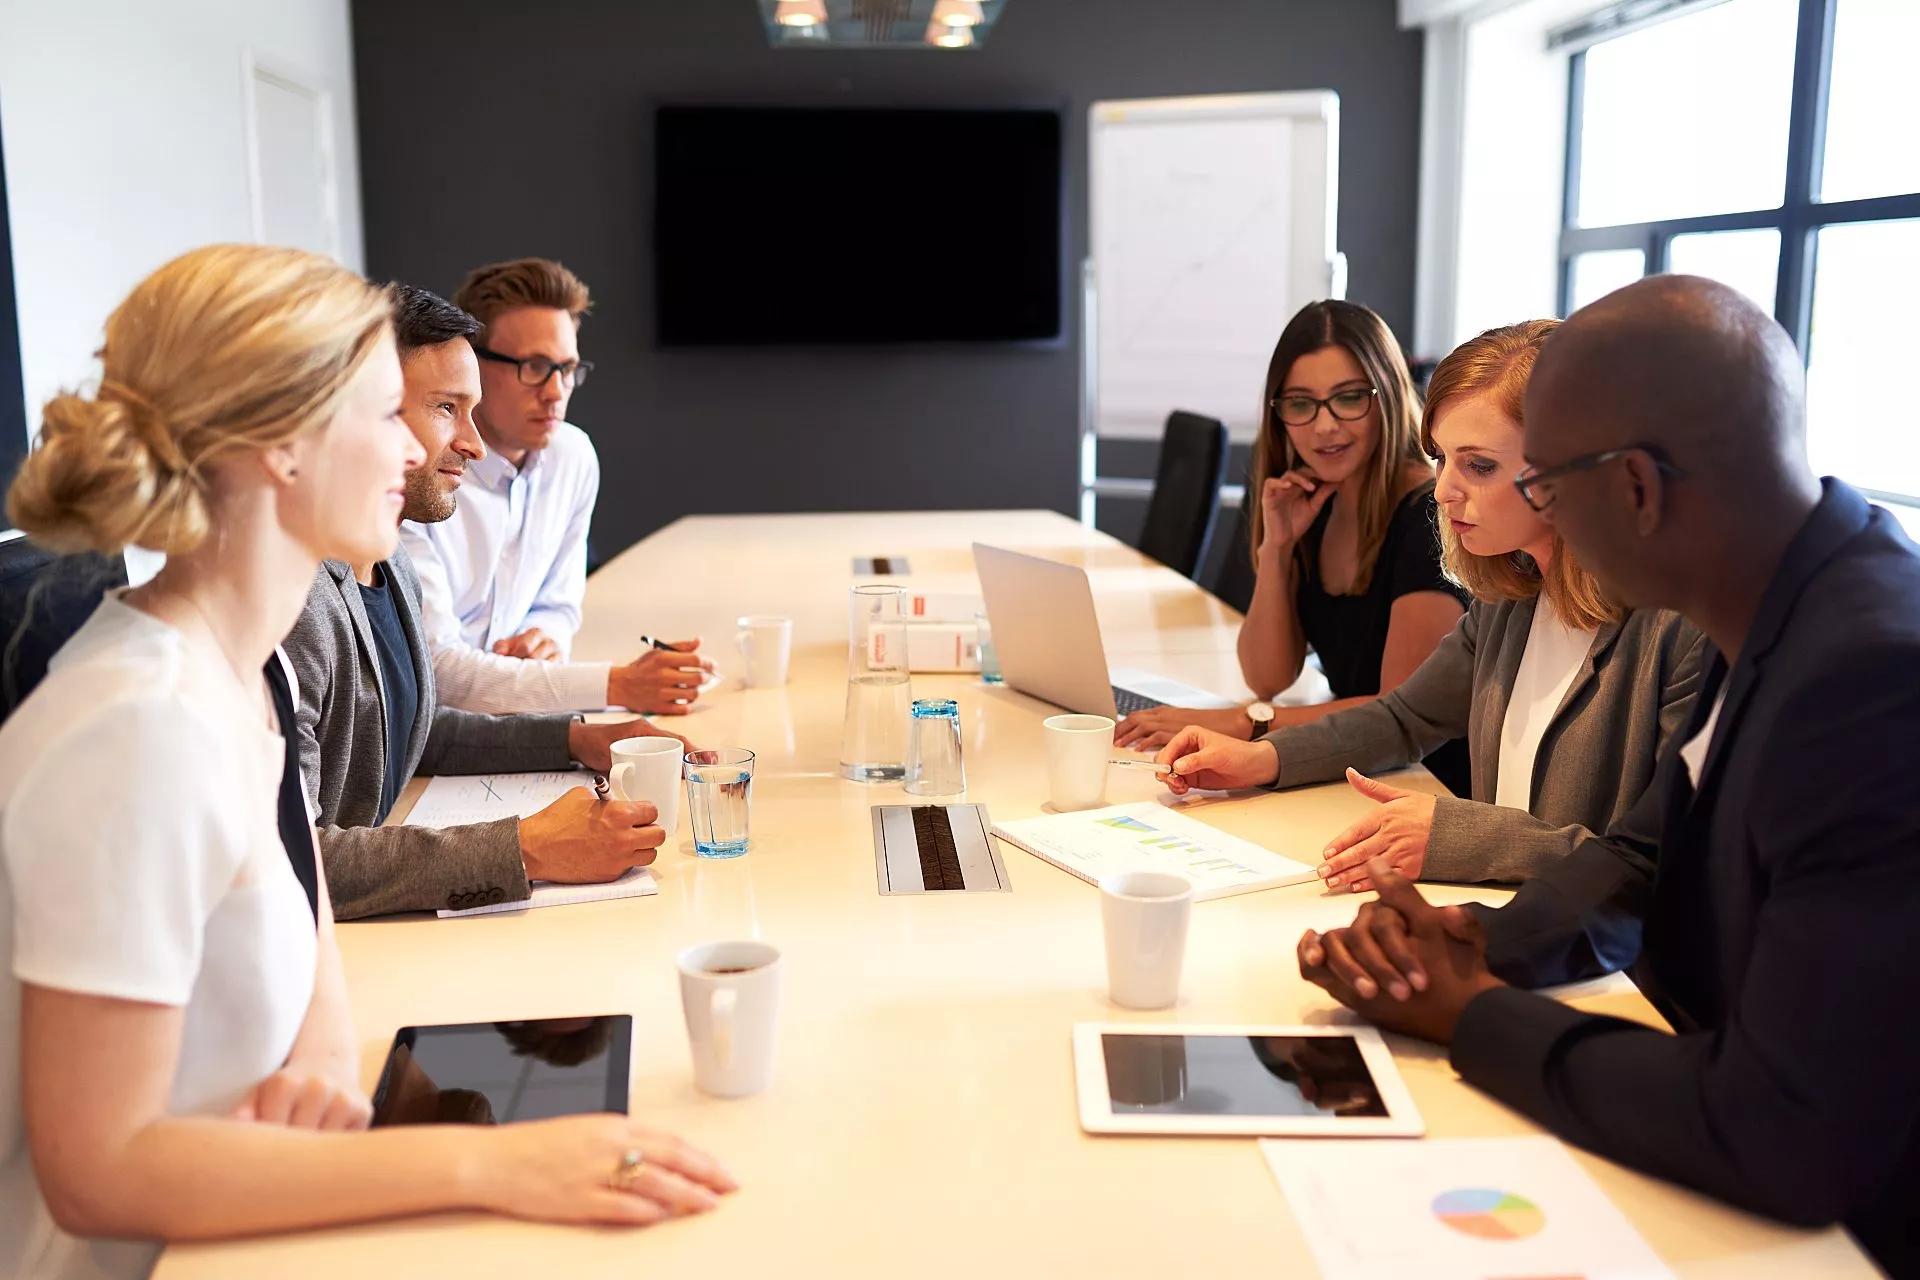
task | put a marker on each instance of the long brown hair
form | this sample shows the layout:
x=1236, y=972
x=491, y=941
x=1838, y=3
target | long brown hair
x=1497, y=365
x=1365, y=336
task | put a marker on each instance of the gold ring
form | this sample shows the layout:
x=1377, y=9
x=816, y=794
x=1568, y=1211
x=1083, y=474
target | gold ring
x=627, y=1170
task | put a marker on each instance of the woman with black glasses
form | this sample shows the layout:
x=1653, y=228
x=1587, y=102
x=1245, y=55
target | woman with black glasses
x=1565, y=696
x=1343, y=535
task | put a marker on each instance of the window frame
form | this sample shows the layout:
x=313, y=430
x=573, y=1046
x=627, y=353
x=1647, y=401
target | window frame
x=1799, y=218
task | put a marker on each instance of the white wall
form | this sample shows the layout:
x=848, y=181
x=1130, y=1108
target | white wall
x=126, y=144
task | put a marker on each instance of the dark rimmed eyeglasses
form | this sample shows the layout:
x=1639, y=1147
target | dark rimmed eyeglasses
x=1536, y=483
x=535, y=370
x=1350, y=405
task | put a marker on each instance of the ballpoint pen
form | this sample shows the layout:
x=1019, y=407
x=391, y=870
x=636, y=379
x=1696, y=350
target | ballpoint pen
x=1143, y=764
x=657, y=644
x=600, y=789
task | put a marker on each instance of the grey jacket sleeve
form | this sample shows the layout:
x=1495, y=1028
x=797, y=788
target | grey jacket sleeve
x=1430, y=707
x=470, y=742
x=375, y=870
x=1476, y=842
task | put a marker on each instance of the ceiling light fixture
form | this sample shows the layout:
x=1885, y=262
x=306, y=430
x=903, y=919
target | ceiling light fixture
x=958, y=13
x=800, y=13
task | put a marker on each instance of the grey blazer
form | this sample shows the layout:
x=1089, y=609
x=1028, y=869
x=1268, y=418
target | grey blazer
x=343, y=759
x=1632, y=694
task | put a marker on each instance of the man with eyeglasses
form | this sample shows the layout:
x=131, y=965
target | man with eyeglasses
x=504, y=578
x=1766, y=890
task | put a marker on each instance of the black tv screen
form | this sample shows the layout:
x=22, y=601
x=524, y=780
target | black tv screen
x=842, y=225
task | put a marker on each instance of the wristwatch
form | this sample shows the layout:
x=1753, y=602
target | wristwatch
x=1261, y=715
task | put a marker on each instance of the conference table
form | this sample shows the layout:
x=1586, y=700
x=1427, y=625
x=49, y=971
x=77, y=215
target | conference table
x=922, y=1118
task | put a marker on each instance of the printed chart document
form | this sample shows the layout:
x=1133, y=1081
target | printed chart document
x=485, y=797
x=456, y=802
x=1455, y=1209
x=1149, y=836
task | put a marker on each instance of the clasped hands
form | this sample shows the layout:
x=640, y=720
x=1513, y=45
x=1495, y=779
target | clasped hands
x=1403, y=964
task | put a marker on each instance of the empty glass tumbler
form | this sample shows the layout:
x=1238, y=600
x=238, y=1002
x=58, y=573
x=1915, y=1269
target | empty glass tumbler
x=934, y=767
x=720, y=800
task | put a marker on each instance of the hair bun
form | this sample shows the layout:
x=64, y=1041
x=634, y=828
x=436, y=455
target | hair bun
x=107, y=473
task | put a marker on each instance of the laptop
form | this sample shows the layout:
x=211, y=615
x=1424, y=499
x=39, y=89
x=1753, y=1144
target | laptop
x=1048, y=640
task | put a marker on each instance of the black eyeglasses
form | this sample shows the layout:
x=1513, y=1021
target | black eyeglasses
x=1536, y=483
x=535, y=370
x=1350, y=405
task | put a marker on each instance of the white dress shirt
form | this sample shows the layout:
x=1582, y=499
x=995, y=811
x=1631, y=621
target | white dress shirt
x=512, y=556
x=1553, y=657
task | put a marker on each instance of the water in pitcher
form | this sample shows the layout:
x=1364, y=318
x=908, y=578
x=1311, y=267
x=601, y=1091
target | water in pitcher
x=873, y=742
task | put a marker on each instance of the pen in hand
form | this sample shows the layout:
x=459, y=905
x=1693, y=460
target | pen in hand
x=650, y=642
x=600, y=790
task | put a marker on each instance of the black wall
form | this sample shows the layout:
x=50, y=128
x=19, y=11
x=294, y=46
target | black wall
x=491, y=129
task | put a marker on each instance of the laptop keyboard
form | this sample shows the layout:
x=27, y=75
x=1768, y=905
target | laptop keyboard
x=1126, y=701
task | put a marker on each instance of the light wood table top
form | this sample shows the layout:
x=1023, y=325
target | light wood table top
x=922, y=1118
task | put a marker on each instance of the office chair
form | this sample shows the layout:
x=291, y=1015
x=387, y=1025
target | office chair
x=44, y=599
x=1186, y=491
x=1234, y=581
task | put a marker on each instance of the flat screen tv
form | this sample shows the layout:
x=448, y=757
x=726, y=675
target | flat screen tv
x=856, y=226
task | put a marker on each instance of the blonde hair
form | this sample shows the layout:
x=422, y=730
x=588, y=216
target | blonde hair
x=525, y=282
x=1365, y=336
x=227, y=347
x=1497, y=365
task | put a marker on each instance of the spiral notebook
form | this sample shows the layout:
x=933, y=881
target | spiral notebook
x=1150, y=836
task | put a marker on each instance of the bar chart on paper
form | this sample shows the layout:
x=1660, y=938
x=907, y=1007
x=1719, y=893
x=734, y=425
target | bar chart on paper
x=1096, y=843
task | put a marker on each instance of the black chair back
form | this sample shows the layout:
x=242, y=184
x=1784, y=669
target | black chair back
x=44, y=599
x=1234, y=582
x=1186, y=491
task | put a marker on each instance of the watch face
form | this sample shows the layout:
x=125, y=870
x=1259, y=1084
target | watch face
x=1260, y=712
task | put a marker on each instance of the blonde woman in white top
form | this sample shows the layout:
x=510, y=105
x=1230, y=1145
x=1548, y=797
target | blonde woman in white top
x=1565, y=698
x=176, y=1060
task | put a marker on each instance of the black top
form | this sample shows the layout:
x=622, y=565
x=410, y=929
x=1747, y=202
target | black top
x=396, y=671
x=1349, y=633
x=1768, y=913
x=296, y=830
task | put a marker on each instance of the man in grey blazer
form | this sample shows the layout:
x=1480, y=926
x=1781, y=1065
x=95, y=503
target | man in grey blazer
x=368, y=715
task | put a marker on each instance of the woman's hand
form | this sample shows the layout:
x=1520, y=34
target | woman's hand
x=1289, y=505
x=572, y=1170
x=1398, y=831
x=1214, y=762
x=1154, y=728
x=304, y=1099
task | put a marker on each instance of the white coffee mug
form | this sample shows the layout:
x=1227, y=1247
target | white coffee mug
x=1078, y=748
x=730, y=992
x=649, y=769
x=1145, y=914
x=766, y=643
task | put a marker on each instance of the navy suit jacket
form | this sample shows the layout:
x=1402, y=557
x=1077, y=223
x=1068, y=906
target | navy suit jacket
x=1772, y=915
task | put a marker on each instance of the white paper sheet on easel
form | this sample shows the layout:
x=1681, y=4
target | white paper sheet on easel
x=485, y=797
x=1455, y=1209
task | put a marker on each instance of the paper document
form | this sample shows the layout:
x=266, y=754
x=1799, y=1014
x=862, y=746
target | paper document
x=484, y=797
x=1149, y=836
x=1455, y=1209
x=638, y=882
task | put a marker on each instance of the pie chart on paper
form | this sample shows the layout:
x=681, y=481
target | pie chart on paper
x=1489, y=1214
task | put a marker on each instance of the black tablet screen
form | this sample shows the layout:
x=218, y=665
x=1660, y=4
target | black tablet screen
x=499, y=1072
x=1221, y=1075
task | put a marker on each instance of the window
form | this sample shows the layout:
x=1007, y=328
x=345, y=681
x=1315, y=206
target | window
x=1767, y=144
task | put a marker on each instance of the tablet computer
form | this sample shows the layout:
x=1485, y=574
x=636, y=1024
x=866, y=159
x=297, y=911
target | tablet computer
x=499, y=1072
x=1178, y=1078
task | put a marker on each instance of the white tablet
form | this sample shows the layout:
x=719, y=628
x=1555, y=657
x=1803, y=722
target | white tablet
x=1179, y=1078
